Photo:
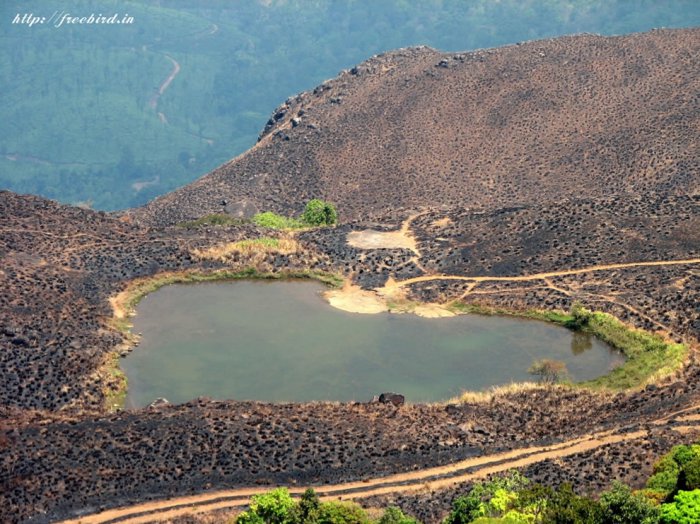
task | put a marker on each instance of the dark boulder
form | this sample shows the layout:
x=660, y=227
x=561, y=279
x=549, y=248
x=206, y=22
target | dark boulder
x=392, y=398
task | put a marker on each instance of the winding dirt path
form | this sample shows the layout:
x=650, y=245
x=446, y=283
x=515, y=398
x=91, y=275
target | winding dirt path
x=683, y=421
x=153, y=103
x=544, y=276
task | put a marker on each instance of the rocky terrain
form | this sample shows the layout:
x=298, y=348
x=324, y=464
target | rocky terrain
x=530, y=176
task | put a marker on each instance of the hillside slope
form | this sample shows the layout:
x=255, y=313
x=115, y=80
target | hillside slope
x=580, y=116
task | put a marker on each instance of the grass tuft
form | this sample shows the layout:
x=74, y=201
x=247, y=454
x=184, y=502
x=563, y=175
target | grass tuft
x=252, y=246
x=272, y=220
x=484, y=397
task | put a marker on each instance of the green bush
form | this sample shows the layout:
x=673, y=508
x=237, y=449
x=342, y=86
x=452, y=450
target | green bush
x=683, y=454
x=498, y=498
x=621, y=506
x=664, y=482
x=580, y=316
x=667, y=464
x=319, y=213
x=690, y=474
x=566, y=507
x=465, y=509
x=685, y=509
x=342, y=513
x=275, y=221
x=273, y=507
x=394, y=515
x=307, y=510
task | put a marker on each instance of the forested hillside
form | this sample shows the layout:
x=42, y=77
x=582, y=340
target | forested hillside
x=113, y=115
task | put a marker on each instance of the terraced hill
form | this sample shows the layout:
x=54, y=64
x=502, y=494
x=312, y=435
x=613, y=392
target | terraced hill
x=579, y=116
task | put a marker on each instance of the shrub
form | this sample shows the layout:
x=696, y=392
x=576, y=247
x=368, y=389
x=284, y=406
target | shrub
x=394, y=515
x=496, y=498
x=308, y=509
x=549, y=371
x=683, y=454
x=685, y=508
x=690, y=480
x=667, y=463
x=465, y=509
x=664, y=483
x=342, y=513
x=319, y=213
x=273, y=507
x=275, y=221
x=656, y=497
x=566, y=507
x=621, y=506
x=665, y=478
x=580, y=317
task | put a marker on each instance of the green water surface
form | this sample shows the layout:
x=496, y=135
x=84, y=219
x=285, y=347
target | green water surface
x=280, y=341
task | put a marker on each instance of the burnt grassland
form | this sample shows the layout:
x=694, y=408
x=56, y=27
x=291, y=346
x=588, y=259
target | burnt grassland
x=62, y=452
x=572, y=117
x=536, y=217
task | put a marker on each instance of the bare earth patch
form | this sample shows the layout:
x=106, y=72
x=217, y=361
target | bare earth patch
x=432, y=311
x=442, y=222
x=355, y=300
x=371, y=239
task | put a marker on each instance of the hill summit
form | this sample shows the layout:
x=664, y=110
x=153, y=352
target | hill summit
x=578, y=116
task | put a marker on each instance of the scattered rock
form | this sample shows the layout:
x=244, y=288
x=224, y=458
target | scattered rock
x=159, y=403
x=392, y=398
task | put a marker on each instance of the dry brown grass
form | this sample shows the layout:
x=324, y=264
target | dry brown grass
x=248, y=247
x=481, y=397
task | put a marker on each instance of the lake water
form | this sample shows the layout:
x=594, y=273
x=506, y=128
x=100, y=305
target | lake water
x=281, y=341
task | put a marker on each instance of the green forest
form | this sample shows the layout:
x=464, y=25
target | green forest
x=83, y=121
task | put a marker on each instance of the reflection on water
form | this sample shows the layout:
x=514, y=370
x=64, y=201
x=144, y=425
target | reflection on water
x=280, y=341
x=580, y=342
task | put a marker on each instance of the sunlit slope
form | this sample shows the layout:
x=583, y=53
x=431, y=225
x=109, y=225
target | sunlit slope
x=581, y=116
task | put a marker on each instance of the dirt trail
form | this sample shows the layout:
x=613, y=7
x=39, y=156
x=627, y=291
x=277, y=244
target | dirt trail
x=153, y=103
x=434, y=478
x=543, y=276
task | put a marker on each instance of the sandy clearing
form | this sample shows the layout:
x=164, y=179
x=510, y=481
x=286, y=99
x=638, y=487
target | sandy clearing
x=354, y=299
x=371, y=239
x=432, y=311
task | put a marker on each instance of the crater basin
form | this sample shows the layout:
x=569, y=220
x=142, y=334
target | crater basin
x=281, y=341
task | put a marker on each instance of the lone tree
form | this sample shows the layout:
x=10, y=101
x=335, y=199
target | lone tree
x=549, y=371
x=320, y=213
